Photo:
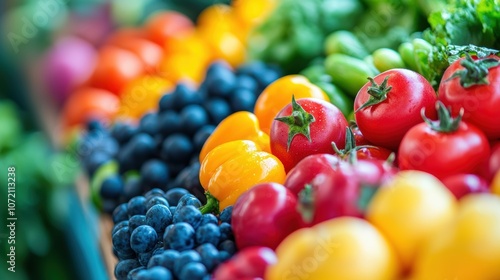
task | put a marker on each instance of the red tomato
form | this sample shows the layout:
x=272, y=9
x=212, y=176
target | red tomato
x=149, y=52
x=305, y=127
x=463, y=184
x=358, y=136
x=165, y=25
x=89, y=103
x=346, y=191
x=480, y=100
x=308, y=168
x=444, y=148
x=385, y=111
x=115, y=68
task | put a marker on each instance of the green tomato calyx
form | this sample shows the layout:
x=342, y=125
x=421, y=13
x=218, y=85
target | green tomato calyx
x=445, y=123
x=378, y=93
x=475, y=72
x=298, y=122
x=306, y=203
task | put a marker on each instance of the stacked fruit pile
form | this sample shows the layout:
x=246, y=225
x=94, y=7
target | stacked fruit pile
x=337, y=162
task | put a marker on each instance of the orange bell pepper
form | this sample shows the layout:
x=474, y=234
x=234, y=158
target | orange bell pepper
x=278, y=94
x=232, y=168
x=237, y=126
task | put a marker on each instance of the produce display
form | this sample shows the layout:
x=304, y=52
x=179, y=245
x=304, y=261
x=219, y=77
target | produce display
x=321, y=139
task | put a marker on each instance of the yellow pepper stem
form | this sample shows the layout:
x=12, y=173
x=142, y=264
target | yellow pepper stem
x=212, y=205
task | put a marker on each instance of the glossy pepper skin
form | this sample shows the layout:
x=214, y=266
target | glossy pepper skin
x=264, y=216
x=232, y=168
x=249, y=263
x=237, y=126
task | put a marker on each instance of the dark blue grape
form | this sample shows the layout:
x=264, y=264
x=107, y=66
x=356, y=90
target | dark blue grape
x=193, y=271
x=189, y=179
x=217, y=109
x=169, y=123
x=144, y=257
x=166, y=102
x=112, y=187
x=209, y=219
x=193, y=117
x=173, y=209
x=122, y=268
x=136, y=220
x=180, y=237
x=242, y=100
x=185, y=258
x=120, y=213
x=220, y=80
x=188, y=214
x=247, y=82
x=226, y=232
x=132, y=275
x=119, y=226
x=173, y=195
x=149, y=124
x=143, y=239
x=154, y=174
x=123, y=132
x=201, y=136
x=267, y=77
x=185, y=95
x=209, y=255
x=159, y=217
x=225, y=215
x=132, y=188
x=189, y=199
x=153, y=193
x=165, y=259
x=155, y=273
x=137, y=206
x=177, y=148
x=121, y=240
x=208, y=233
x=252, y=69
x=228, y=246
x=152, y=201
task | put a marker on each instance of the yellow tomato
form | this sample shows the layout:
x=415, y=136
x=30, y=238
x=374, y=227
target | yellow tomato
x=142, y=95
x=469, y=249
x=344, y=248
x=279, y=94
x=410, y=209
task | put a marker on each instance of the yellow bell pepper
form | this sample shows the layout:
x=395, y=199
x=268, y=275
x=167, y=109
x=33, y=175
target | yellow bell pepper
x=232, y=168
x=237, y=126
x=346, y=248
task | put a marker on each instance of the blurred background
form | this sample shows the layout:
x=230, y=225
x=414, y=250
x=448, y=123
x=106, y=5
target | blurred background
x=57, y=231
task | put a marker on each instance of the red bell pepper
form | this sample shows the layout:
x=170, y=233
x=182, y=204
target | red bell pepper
x=248, y=264
x=264, y=216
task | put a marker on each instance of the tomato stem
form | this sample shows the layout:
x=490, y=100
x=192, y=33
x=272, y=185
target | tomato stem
x=445, y=123
x=378, y=93
x=306, y=203
x=475, y=72
x=350, y=147
x=298, y=122
x=212, y=205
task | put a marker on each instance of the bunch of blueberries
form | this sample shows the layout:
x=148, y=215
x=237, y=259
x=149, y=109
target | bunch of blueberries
x=162, y=150
x=163, y=235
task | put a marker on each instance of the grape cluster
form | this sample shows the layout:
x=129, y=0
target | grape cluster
x=161, y=151
x=163, y=235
